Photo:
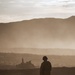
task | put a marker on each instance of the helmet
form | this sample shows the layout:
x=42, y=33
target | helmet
x=45, y=58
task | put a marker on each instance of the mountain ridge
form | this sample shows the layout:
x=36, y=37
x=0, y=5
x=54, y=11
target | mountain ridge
x=44, y=33
x=71, y=17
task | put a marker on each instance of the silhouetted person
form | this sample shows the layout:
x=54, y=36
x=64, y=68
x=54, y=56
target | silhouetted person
x=46, y=67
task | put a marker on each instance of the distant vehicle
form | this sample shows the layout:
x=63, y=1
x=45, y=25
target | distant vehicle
x=27, y=65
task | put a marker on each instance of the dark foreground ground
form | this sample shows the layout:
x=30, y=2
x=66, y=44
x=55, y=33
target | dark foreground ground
x=55, y=71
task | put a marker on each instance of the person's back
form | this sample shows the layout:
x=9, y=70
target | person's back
x=46, y=67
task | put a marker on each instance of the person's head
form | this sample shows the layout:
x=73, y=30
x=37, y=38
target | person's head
x=45, y=58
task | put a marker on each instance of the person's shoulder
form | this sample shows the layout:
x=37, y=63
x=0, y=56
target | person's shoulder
x=42, y=63
x=48, y=62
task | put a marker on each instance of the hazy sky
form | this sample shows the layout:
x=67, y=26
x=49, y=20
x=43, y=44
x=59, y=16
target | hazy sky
x=14, y=10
